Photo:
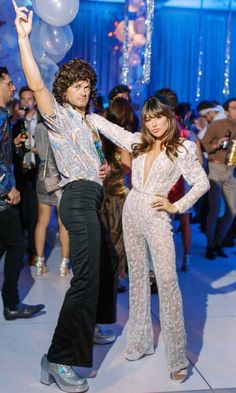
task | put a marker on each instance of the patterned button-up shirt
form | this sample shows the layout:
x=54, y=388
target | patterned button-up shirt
x=73, y=144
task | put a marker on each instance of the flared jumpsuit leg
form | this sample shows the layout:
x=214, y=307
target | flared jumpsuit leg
x=150, y=230
x=140, y=331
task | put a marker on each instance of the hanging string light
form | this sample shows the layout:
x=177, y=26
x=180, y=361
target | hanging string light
x=148, y=45
x=200, y=56
x=226, y=90
x=95, y=41
x=137, y=40
x=125, y=65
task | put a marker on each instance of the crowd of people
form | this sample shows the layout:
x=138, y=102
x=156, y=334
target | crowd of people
x=117, y=184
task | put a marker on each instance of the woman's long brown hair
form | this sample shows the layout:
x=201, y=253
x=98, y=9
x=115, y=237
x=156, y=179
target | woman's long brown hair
x=153, y=107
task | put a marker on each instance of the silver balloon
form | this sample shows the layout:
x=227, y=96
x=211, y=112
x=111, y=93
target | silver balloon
x=56, y=40
x=56, y=12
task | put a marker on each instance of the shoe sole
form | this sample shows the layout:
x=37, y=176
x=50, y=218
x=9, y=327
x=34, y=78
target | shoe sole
x=148, y=353
x=12, y=318
x=104, y=341
x=47, y=378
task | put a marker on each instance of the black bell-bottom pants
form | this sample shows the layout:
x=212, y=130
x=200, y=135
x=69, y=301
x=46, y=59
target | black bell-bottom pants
x=91, y=297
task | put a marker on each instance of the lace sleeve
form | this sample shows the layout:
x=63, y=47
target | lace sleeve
x=193, y=173
x=115, y=133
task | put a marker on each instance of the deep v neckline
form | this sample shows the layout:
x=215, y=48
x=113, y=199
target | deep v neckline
x=150, y=169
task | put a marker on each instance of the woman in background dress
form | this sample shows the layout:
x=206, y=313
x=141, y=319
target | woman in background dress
x=117, y=184
x=45, y=203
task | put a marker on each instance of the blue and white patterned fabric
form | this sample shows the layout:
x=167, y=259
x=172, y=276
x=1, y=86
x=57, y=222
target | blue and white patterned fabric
x=73, y=145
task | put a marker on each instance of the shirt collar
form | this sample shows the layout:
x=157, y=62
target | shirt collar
x=34, y=117
x=71, y=109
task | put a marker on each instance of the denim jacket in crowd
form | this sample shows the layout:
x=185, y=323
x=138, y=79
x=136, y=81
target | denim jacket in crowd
x=7, y=180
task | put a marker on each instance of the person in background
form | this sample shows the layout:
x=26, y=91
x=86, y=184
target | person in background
x=209, y=111
x=123, y=91
x=115, y=190
x=186, y=116
x=98, y=104
x=46, y=200
x=11, y=236
x=26, y=167
x=216, y=142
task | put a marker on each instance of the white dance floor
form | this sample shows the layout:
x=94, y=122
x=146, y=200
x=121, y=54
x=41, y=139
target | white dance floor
x=209, y=295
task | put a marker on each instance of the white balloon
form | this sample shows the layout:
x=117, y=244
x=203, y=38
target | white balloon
x=56, y=12
x=48, y=70
x=56, y=40
x=34, y=5
x=37, y=49
x=56, y=59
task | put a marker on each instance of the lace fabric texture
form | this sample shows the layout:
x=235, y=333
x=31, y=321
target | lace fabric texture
x=148, y=234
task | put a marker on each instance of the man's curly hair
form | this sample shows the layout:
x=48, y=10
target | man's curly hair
x=71, y=72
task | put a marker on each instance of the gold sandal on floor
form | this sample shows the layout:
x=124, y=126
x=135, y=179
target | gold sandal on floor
x=179, y=376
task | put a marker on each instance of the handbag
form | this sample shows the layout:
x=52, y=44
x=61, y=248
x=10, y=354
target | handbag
x=51, y=182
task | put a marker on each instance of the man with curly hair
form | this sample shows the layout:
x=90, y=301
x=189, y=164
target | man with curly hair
x=76, y=145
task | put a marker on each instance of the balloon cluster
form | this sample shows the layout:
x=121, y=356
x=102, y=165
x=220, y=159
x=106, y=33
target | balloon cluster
x=51, y=37
x=135, y=33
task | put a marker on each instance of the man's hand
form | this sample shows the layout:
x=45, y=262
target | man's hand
x=13, y=197
x=163, y=203
x=18, y=140
x=23, y=21
x=104, y=171
x=221, y=141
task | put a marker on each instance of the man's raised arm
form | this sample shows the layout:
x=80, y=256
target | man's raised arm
x=23, y=23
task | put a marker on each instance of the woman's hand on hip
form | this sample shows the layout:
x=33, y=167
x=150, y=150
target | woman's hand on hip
x=162, y=203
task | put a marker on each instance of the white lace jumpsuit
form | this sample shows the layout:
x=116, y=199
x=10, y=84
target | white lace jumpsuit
x=148, y=233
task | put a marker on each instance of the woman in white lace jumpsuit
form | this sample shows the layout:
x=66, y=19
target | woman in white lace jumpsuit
x=157, y=165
